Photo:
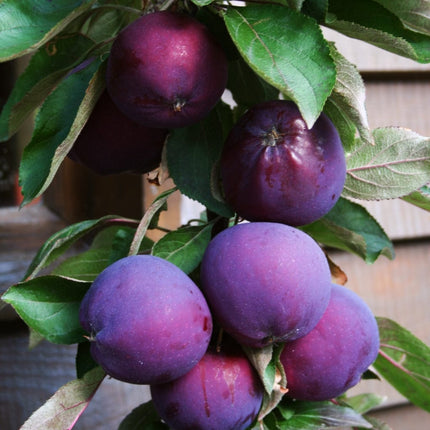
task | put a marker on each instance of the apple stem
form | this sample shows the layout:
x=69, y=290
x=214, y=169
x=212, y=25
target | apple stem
x=271, y=138
x=178, y=104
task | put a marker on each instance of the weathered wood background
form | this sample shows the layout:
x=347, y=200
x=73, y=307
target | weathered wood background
x=398, y=93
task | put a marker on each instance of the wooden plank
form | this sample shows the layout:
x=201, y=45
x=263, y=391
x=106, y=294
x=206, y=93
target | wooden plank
x=22, y=232
x=28, y=378
x=406, y=104
x=406, y=417
x=77, y=193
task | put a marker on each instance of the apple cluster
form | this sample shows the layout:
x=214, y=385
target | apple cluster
x=165, y=71
x=262, y=282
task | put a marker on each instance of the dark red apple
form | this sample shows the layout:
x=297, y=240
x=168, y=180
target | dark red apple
x=265, y=282
x=274, y=168
x=110, y=143
x=333, y=356
x=222, y=392
x=147, y=320
x=166, y=70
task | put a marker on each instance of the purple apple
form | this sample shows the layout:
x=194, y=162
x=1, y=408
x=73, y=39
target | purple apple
x=166, y=70
x=110, y=143
x=265, y=282
x=222, y=392
x=333, y=356
x=274, y=168
x=147, y=321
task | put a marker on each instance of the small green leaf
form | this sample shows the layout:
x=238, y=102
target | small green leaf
x=25, y=25
x=266, y=362
x=47, y=67
x=50, y=306
x=349, y=96
x=105, y=21
x=87, y=265
x=157, y=205
x=121, y=244
x=395, y=166
x=60, y=241
x=287, y=49
x=185, y=246
x=143, y=417
x=363, y=403
x=415, y=14
x=295, y=4
x=369, y=21
x=84, y=266
x=317, y=9
x=404, y=361
x=202, y=2
x=192, y=154
x=377, y=423
x=299, y=415
x=350, y=227
x=420, y=198
x=64, y=408
x=241, y=78
x=58, y=123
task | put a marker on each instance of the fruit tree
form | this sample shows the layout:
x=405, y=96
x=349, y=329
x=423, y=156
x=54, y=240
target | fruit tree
x=234, y=319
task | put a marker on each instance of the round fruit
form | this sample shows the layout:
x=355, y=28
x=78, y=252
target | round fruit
x=333, y=356
x=111, y=143
x=273, y=168
x=148, y=322
x=265, y=282
x=221, y=392
x=166, y=70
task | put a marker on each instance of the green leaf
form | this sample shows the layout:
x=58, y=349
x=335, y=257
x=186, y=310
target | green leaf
x=365, y=402
x=395, y=166
x=87, y=265
x=57, y=125
x=104, y=22
x=185, y=246
x=192, y=154
x=266, y=361
x=64, y=408
x=288, y=50
x=47, y=67
x=25, y=25
x=404, y=361
x=350, y=227
x=84, y=360
x=202, y=2
x=369, y=21
x=84, y=266
x=121, y=244
x=299, y=415
x=241, y=78
x=62, y=240
x=295, y=4
x=377, y=423
x=349, y=96
x=143, y=417
x=343, y=123
x=157, y=205
x=420, y=198
x=50, y=306
x=414, y=14
x=317, y=9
